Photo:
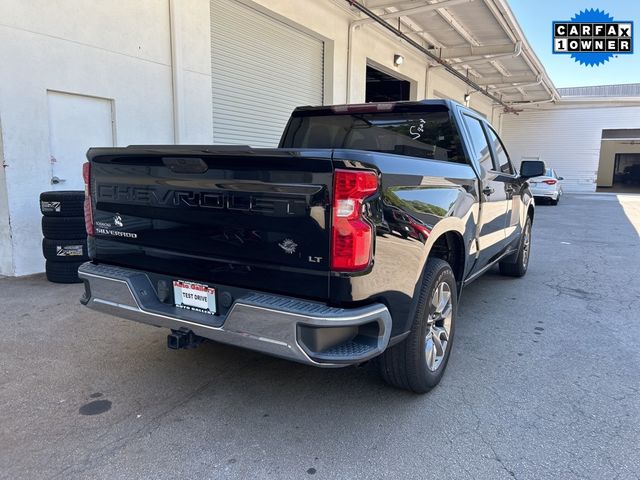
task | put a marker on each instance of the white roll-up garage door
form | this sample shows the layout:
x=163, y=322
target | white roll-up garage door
x=261, y=70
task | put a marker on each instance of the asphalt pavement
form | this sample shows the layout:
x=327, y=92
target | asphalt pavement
x=543, y=383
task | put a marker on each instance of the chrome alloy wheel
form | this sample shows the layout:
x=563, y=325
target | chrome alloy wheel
x=438, y=326
x=526, y=245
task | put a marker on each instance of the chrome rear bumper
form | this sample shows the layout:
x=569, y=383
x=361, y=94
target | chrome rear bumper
x=299, y=330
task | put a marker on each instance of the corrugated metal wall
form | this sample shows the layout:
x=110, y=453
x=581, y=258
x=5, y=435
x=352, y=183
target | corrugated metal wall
x=261, y=70
x=566, y=139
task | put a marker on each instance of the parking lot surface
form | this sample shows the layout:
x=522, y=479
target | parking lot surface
x=543, y=382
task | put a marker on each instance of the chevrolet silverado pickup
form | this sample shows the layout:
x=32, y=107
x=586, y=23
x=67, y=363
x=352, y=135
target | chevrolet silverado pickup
x=349, y=242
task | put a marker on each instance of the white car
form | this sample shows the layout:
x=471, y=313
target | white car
x=548, y=186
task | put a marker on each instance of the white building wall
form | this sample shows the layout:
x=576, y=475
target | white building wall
x=443, y=85
x=567, y=139
x=196, y=67
x=119, y=50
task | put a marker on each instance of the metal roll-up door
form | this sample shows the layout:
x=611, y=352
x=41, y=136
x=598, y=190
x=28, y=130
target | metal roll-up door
x=261, y=70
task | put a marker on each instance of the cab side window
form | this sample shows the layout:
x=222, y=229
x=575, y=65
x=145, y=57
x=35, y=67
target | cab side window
x=504, y=164
x=480, y=150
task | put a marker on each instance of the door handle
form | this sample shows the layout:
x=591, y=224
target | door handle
x=55, y=180
x=488, y=191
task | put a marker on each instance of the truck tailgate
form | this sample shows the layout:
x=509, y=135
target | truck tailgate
x=253, y=218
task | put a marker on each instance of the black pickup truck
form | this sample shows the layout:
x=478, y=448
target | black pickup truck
x=352, y=241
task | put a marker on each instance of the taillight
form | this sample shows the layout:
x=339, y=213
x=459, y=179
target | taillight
x=88, y=207
x=549, y=182
x=352, y=235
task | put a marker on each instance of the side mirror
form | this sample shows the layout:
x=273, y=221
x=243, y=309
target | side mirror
x=560, y=178
x=532, y=168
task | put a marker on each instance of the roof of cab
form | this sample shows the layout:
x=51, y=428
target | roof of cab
x=373, y=105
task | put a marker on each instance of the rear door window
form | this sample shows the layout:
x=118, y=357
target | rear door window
x=481, y=151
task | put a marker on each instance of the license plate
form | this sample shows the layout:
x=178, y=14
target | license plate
x=194, y=296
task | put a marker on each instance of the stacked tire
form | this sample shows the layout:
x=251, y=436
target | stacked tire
x=64, y=245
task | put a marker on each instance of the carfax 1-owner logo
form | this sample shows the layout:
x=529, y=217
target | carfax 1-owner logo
x=593, y=37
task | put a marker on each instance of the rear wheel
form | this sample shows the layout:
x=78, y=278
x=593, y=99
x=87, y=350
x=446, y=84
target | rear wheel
x=521, y=264
x=418, y=362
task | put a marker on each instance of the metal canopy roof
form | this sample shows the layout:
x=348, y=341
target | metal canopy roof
x=479, y=39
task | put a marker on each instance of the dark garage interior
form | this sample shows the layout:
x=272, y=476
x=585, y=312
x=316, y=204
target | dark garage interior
x=382, y=87
x=626, y=171
x=619, y=168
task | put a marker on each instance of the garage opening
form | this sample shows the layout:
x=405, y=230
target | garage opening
x=382, y=87
x=619, y=167
x=626, y=173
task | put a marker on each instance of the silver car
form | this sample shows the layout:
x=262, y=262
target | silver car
x=548, y=186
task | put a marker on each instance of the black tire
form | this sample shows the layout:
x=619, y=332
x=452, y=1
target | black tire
x=518, y=268
x=65, y=250
x=69, y=203
x=405, y=365
x=554, y=202
x=63, y=228
x=62, y=272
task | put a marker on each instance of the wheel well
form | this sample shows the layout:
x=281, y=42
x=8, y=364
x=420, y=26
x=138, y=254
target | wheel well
x=450, y=248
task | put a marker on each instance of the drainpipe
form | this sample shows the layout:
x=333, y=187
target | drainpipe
x=427, y=80
x=352, y=27
x=175, y=37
